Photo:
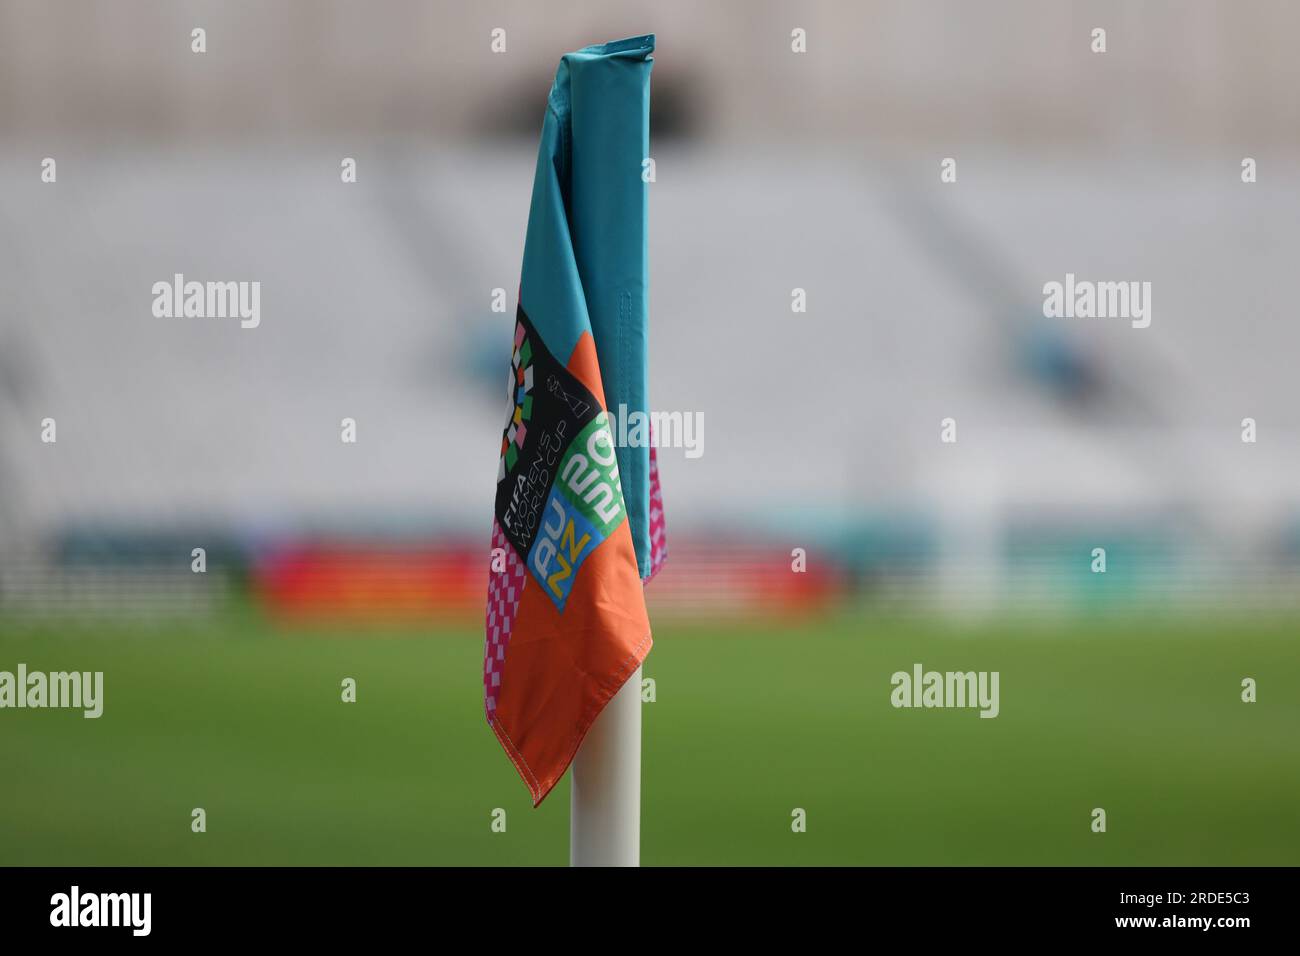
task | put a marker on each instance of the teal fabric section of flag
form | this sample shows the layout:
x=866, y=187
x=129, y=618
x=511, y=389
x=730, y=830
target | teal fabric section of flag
x=585, y=263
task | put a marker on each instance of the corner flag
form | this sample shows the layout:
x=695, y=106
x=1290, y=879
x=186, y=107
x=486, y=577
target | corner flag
x=577, y=523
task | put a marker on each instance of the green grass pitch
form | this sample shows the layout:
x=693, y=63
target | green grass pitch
x=750, y=721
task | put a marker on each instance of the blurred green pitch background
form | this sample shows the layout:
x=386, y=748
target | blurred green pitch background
x=751, y=721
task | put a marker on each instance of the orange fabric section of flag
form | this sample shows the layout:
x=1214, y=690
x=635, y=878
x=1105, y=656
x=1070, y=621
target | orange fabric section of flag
x=552, y=665
x=563, y=669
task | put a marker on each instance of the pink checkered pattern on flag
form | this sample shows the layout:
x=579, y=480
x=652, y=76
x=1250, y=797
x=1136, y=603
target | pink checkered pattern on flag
x=658, y=531
x=504, y=590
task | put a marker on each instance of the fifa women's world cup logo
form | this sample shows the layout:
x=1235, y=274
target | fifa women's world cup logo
x=519, y=402
x=558, y=491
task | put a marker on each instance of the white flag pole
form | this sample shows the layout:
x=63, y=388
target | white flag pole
x=605, y=812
